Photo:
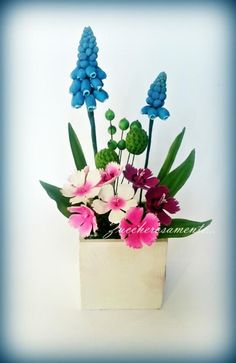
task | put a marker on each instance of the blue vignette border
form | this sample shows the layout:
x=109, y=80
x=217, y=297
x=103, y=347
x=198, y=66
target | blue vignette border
x=230, y=354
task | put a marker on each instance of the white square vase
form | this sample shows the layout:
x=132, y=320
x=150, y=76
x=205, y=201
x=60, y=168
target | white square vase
x=114, y=276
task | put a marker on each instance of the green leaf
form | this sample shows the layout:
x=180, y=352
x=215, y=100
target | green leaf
x=170, y=158
x=182, y=228
x=178, y=177
x=55, y=193
x=76, y=149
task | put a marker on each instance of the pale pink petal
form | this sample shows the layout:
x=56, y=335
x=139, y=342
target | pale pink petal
x=125, y=191
x=68, y=190
x=75, y=220
x=85, y=229
x=134, y=215
x=115, y=216
x=106, y=193
x=130, y=203
x=93, y=177
x=99, y=206
x=93, y=192
x=94, y=223
x=76, y=200
x=77, y=178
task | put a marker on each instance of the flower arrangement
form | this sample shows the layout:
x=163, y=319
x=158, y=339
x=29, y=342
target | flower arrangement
x=117, y=199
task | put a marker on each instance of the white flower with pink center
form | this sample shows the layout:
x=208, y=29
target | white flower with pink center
x=82, y=186
x=117, y=203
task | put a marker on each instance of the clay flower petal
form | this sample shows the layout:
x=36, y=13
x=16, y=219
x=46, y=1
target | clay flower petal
x=136, y=230
x=83, y=219
x=106, y=193
x=140, y=178
x=125, y=191
x=158, y=201
x=100, y=207
x=111, y=172
x=82, y=186
x=115, y=216
x=93, y=177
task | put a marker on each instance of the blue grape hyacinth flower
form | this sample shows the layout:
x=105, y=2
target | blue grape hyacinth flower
x=87, y=84
x=156, y=99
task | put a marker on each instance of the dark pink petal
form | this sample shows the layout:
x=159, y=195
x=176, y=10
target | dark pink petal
x=172, y=205
x=151, y=221
x=124, y=228
x=156, y=192
x=152, y=182
x=161, y=189
x=129, y=172
x=134, y=215
x=150, y=226
x=133, y=240
x=164, y=218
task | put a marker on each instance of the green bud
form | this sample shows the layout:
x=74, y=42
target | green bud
x=112, y=144
x=109, y=115
x=121, y=144
x=136, y=124
x=124, y=124
x=136, y=141
x=111, y=130
x=105, y=156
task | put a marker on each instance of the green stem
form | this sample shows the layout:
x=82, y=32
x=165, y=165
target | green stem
x=93, y=131
x=148, y=152
x=132, y=162
x=126, y=164
x=110, y=128
x=120, y=152
x=149, y=142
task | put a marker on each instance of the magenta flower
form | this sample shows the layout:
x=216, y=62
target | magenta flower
x=159, y=202
x=110, y=173
x=136, y=230
x=140, y=178
x=83, y=219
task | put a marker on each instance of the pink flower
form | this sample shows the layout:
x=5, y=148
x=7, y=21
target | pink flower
x=82, y=185
x=111, y=172
x=136, y=230
x=83, y=219
x=115, y=203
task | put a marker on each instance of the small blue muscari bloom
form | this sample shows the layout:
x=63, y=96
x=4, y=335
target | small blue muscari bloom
x=156, y=99
x=87, y=76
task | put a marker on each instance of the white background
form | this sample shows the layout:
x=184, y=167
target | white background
x=136, y=43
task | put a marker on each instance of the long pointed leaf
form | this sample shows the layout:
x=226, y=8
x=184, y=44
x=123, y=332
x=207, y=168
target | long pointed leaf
x=182, y=228
x=178, y=177
x=76, y=149
x=170, y=158
x=55, y=194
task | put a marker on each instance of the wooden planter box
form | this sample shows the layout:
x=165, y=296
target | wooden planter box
x=114, y=276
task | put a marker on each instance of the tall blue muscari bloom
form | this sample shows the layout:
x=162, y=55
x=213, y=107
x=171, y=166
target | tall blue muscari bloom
x=87, y=77
x=156, y=99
